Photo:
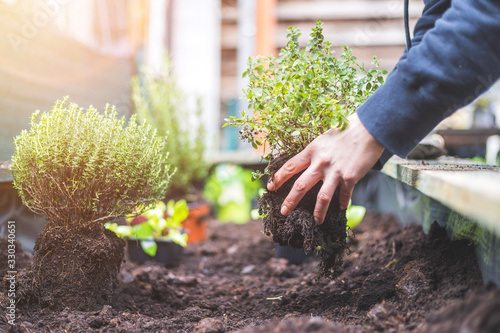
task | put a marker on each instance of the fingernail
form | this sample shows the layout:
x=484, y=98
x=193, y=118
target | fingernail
x=317, y=220
x=284, y=210
x=270, y=185
x=342, y=207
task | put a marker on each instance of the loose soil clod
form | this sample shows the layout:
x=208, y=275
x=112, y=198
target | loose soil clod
x=298, y=229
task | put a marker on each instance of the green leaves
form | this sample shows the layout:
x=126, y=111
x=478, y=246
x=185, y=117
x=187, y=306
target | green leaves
x=143, y=230
x=301, y=94
x=149, y=247
x=77, y=165
x=355, y=215
x=177, y=212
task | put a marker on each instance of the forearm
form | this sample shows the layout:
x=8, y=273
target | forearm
x=456, y=60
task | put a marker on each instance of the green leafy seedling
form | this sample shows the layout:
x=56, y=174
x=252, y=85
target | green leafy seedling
x=162, y=222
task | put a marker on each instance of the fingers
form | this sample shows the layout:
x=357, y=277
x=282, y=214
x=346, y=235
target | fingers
x=346, y=191
x=323, y=200
x=293, y=166
x=301, y=186
x=326, y=193
x=345, y=197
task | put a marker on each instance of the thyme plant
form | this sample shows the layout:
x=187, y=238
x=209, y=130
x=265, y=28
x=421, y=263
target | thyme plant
x=302, y=94
x=79, y=166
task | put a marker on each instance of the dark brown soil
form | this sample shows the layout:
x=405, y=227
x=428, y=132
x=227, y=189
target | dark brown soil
x=23, y=259
x=393, y=279
x=74, y=266
x=298, y=229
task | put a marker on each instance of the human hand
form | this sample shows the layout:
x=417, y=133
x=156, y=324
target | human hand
x=338, y=158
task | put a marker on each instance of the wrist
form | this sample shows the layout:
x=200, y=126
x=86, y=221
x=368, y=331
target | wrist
x=357, y=126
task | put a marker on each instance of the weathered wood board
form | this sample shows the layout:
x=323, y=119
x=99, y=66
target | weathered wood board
x=469, y=188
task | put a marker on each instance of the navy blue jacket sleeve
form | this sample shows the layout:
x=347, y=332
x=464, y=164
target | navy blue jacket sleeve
x=455, y=57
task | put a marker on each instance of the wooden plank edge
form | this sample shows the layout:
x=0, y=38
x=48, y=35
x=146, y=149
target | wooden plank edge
x=480, y=204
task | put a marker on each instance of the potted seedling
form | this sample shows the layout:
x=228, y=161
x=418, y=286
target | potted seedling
x=293, y=99
x=158, y=100
x=157, y=234
x=80, y=169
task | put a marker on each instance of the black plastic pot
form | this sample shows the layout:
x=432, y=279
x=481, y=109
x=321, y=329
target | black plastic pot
x=168, y=252
x=293, y=255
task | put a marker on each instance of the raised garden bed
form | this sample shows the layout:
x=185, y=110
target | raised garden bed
x=460, y=195
x=395, y=279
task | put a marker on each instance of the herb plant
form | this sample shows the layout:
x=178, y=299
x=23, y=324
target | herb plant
x=159, y=101
x=292, y=100
x=162, y=222
x=302, y=94
x=79, y=166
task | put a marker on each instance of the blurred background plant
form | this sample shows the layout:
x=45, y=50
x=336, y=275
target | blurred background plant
x=354, y=215
x=231, y=191
x=158, y=100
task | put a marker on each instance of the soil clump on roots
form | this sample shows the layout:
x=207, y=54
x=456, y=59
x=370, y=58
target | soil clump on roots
x=298, y=229
x=74, y=266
